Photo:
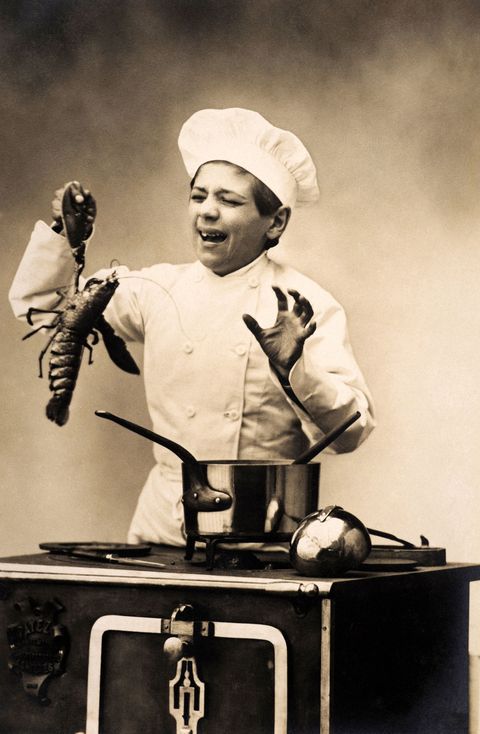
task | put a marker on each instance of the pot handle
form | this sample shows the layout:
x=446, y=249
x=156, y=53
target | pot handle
x=174, y=447
x=329, y=438
x=389, y=536
x=201, y=497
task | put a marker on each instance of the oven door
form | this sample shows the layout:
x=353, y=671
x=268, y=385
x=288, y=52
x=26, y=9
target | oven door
x=150, y=675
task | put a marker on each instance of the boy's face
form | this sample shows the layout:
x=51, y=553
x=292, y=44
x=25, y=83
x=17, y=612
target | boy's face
x=228, y=231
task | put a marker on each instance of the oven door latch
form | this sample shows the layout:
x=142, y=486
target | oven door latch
x=186, y=690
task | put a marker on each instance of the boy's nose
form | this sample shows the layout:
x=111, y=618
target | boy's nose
x=209, y=208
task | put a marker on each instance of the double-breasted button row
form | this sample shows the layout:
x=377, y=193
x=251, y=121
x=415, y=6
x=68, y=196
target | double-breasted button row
x=232, y=415
x=240, y=349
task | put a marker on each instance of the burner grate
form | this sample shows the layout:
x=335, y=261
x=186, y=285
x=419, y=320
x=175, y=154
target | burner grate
x=213, y=541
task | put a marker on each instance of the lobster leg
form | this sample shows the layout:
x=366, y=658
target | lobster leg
x=35, y=331
x=39, y=310
x=95, y=337
x=42, y=354
x=90, y=352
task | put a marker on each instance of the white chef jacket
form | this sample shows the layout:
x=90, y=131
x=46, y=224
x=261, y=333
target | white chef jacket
x=208, y=384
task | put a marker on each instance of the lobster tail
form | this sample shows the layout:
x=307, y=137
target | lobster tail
x=57, y=411
x=80, y=317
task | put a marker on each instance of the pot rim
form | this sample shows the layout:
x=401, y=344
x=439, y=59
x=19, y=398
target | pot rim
x=255, y=462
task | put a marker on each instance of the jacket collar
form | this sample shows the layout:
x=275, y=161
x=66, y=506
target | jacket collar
x=253, y=268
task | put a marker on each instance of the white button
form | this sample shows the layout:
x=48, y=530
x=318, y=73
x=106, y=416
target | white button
x=198, y=277
x=253, y=281
x=190, y=411
x=233, y=415
x=240, y=349
x=188, y=348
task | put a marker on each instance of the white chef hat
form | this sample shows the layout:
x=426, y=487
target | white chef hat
x=243, y=137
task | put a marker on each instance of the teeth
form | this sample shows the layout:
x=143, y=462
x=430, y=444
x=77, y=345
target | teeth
x=212, y=236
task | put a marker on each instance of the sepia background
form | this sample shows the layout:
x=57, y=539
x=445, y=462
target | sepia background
x=385, y=95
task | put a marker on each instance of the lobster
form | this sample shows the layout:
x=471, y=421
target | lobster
x=82, y=312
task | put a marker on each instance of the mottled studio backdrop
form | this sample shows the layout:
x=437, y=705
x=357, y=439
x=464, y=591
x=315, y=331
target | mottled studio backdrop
x=386, y=96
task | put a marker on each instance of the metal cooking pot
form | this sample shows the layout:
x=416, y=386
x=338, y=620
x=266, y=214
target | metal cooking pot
x=261, y=500
x=268, y=497
x=244, y=500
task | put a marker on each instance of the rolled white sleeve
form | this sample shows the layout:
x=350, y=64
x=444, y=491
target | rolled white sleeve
x=47, y=266
x=47, y=269
x=329, y=385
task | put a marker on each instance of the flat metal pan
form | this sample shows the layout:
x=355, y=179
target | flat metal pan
x=119, y=549
x=387, y=564
x=423, y=555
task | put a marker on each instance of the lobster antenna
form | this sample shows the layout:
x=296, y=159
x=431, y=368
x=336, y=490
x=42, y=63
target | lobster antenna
x=172, y=299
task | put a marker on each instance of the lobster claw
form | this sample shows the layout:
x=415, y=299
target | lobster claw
x=116, y=347
x=78, y=213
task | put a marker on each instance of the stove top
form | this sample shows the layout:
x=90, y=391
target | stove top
x=258, y=562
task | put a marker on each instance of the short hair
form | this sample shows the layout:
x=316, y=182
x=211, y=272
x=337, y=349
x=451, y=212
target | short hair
x=265, y=200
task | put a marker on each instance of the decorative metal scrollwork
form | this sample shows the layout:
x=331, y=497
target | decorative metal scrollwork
x=38, y=645
x=186, y=690
x=187, y=697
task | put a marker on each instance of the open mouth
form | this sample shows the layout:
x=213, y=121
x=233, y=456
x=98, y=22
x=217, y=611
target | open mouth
x=213, y=237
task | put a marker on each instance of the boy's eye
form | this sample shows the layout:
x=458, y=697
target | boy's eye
x=197, y=197
x=232, y=202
